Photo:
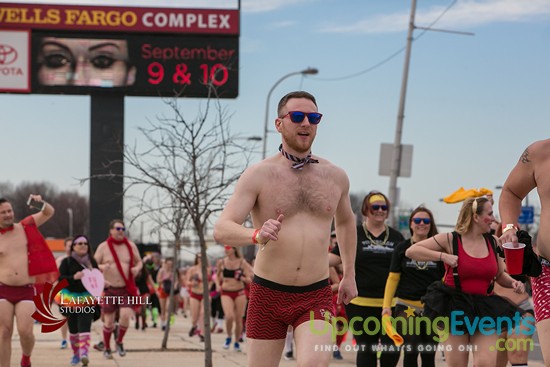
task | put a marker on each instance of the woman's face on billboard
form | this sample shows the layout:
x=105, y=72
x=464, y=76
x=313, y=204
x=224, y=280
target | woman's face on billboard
x=84, y=62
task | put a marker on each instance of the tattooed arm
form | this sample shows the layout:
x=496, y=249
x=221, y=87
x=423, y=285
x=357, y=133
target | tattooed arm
x=519, y=183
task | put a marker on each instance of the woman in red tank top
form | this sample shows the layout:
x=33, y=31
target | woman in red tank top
x=473, y=299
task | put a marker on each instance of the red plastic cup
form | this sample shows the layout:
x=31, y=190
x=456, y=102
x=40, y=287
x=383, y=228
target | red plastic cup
x=514, y=257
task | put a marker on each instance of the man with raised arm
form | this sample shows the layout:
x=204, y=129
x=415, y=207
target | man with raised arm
x=25, y=260
x=293, y=198
x=532, y=171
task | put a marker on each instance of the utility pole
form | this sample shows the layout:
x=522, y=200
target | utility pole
x=397, y=147
x=396, y=161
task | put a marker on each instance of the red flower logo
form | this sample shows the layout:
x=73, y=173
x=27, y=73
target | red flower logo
x=43, y=302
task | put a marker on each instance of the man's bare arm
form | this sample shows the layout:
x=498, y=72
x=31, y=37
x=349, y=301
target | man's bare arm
x=98, y=256
x=45, y=214
x=346, y=233
x=519, y=183
x=138, y=264
x=228, y=229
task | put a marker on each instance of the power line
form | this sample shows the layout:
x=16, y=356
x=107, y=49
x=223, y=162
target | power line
x=396, y=53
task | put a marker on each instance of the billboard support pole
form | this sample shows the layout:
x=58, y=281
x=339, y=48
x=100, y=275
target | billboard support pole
x=106, y=164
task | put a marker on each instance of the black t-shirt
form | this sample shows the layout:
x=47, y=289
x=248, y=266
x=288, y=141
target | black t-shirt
x=372, y=261
x=416, y=276
x=68, y=268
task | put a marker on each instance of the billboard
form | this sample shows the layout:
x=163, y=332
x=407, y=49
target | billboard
x=85, y=50
x=119, y=19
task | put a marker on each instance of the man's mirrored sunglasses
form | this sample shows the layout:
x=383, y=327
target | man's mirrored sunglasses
x=298, y=116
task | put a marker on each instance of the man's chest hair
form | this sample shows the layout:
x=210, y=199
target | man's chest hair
x=294, y=192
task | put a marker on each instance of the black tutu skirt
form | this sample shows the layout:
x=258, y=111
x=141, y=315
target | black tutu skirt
x=441, y=300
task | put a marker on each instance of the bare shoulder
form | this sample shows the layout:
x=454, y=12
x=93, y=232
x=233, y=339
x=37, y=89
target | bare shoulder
x=255, y=173
x=101, y=248
x=334, y=170
x=536, y=152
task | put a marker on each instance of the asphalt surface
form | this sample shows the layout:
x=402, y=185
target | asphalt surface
x=143, y=349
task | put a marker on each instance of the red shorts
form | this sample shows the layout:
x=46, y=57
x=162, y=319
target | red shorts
x=117, y=297
x=233, y=294
x=16, y=294
x=272, y=307
x=196, y=296
x=541, y=294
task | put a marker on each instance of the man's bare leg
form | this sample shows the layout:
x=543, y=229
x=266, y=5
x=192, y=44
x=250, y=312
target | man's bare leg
x=7, y=313
x=313, y=348
x=23, y=313
x=264, y=353
x=543, y=331
x=126, y=313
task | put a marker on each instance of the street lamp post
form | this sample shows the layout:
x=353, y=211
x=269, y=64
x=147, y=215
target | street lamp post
x=308, y=71
x=70, y=212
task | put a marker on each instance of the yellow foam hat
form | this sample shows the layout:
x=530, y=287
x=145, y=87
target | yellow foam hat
x=462, y=194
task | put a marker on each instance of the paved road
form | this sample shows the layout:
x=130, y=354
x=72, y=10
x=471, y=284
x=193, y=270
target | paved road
x=144, y=350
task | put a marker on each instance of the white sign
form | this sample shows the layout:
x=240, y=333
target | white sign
x=386, y=158
x=14, y=61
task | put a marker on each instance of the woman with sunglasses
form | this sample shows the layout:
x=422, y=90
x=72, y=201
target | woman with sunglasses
x=408, y=280
x=466, y=295
x=375, y=245
x=233, y=272
x=76, y=301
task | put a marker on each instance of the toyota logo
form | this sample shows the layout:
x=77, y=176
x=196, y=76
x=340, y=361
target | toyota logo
x=8, y=55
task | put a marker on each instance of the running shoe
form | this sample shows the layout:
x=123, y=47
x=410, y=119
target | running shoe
x=75, y=360
x=120, y=349
x=237, y=347
x=108, y=354
x=99, y=346
x=337, y=355
x=85, y=360
x=64, y=344
x=227, y=343
x=289, y=356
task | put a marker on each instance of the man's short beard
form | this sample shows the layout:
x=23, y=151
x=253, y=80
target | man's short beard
x=291, y=143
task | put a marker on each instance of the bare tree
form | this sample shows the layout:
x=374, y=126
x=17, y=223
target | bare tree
x=183, y=175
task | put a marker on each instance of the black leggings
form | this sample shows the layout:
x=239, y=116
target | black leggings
x=367, y=341
x=79, y=322
x=415, y=339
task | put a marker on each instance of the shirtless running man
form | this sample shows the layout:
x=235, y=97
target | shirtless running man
x=119, y=272
x=532, y=171
x=293, y=198
x=16, y=285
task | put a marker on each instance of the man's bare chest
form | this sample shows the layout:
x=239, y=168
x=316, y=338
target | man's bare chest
x=13, y=243
x=121, y=253
x=291, y=194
